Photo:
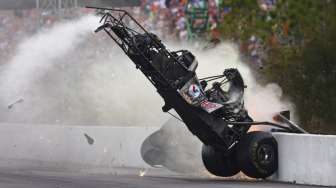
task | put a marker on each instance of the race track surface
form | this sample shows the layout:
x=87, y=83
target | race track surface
x=120, y=178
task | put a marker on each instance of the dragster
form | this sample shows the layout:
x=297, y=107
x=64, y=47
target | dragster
x=212, y=108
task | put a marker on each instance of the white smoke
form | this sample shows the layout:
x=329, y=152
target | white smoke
x=38, y=54
x=68, y=75
x=262, y=102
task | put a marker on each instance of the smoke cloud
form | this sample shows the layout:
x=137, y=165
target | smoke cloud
x=69, y=75
x=36, y=55
x=262, y=102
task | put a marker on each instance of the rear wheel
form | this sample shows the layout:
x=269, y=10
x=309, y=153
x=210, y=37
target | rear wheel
x=257, y=154
x=217, y=163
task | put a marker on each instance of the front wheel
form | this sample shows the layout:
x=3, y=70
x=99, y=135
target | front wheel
x=258, y=154
x=219, y=164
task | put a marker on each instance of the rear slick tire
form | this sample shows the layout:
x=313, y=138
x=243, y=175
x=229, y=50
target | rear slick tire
x=258, y=154
x=217, y=163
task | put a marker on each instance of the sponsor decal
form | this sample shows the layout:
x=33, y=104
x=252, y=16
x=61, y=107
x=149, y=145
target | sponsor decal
x=210, y=106
x=194, y=91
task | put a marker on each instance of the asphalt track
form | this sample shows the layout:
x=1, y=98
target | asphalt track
x=120, y=178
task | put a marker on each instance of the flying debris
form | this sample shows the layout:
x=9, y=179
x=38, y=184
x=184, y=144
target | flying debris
x=89, y=139
x=10, y=106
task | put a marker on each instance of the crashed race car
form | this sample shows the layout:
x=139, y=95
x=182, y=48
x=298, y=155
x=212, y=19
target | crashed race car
x=212, y=108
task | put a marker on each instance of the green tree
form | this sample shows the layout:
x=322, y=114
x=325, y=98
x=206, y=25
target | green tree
x=303, y=60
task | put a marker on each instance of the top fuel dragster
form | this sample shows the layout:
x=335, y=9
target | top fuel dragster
x=212, y=108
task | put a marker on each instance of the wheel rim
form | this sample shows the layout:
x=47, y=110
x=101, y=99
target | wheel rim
x=265, y=154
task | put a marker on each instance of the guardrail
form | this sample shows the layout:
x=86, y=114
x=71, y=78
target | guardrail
x=306, y=159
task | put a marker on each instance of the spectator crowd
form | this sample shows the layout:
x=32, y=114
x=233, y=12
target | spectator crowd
x=179, y=20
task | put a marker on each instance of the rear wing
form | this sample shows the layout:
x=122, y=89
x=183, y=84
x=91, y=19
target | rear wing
x=284, y=117
x=282, y=124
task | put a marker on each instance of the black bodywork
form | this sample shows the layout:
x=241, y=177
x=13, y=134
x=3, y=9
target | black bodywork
x=215, y=115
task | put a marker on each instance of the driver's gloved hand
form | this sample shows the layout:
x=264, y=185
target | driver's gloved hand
x=216, y=85
x=230, y=73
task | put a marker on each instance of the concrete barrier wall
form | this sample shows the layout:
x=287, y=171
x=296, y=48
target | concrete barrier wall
x=64, y=145
x=306, y=159
x=303, y=159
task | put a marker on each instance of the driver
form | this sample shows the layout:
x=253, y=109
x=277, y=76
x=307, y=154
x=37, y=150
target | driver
x=217, y=94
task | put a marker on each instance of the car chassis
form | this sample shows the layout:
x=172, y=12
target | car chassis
x=217, y=117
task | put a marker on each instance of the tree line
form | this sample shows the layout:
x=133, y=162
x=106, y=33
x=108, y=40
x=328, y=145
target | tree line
x=299, y=38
